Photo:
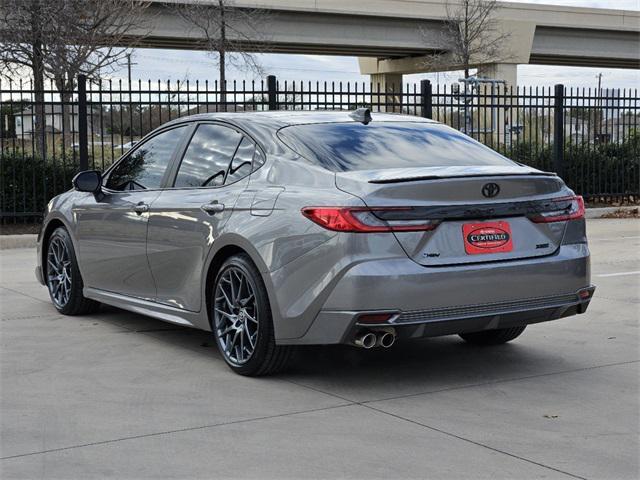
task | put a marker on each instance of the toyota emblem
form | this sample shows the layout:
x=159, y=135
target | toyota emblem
x=490, y=190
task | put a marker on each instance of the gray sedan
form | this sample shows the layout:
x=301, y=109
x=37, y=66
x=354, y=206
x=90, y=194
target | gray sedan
x=278, y=229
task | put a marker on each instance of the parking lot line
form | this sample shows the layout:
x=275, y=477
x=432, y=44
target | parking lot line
x=618, y=274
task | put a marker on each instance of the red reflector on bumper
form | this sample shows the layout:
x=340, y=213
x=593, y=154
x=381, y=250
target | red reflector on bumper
x=586, y=293
x=375, y=318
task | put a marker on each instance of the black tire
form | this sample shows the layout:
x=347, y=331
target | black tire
x=76, y=304
x=267, y=358
x=492, y=337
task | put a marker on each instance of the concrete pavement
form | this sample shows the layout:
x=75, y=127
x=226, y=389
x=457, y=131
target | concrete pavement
x=118, y=395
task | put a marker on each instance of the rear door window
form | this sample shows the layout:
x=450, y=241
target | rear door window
x=208, y=156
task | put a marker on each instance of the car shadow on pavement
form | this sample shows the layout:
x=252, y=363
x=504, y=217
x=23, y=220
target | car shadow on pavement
x=410, y=366
x=416, y=366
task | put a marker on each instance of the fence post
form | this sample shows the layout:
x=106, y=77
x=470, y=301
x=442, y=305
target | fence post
x=272, y=93
x=426, y=98
x=558, y=130
x=82, y=123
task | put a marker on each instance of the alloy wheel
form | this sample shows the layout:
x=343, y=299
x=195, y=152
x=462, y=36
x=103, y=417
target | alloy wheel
x=236, y=315
x=59, y=271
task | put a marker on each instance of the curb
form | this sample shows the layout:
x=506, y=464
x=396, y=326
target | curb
x=591, y=213
x=18, y=241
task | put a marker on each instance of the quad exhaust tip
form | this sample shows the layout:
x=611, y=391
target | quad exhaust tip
x=386, y=339
x=382, y=338
x=366, y=340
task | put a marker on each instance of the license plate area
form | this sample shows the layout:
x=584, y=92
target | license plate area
x=487, y=237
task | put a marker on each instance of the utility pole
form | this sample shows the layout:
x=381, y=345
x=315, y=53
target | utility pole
x=129, y=64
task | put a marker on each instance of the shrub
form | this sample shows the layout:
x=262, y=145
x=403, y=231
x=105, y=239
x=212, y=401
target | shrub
x=27, y=183
x=589, y=169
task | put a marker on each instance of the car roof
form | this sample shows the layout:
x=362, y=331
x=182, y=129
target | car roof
x=284, y=118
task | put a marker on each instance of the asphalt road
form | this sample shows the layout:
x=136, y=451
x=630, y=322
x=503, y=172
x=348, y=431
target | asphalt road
x=118, y=395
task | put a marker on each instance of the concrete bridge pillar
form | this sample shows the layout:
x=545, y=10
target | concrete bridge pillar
x=502, y=119
x=386, y=91
x=500, y=71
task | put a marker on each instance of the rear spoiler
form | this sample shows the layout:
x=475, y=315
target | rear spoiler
x=442, y=177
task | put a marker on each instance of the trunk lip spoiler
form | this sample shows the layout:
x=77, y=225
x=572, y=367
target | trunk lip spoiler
x=474, y=175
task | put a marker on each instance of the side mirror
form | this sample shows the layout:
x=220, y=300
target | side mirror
x=88, y=181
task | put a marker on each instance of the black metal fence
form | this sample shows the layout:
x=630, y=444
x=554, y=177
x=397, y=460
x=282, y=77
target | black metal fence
x=591, y=137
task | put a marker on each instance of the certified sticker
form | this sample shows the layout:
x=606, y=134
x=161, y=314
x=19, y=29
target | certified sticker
x=487, y=237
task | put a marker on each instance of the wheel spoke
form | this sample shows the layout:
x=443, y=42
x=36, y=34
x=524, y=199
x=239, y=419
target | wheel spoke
x=245, y=301
x=226, y=331
x=225, y=296
x=226, y=315
x=249, y=337
x=52, y=265
x=240, y=279
x=233, y=290
x=233, y=341
x=241, y=333
x=54, y=253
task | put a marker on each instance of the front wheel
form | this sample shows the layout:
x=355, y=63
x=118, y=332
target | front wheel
x=63, y=276
x=492, y=337
x=242, y=322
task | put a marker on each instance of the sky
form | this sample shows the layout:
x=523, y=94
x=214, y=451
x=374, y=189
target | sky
x=613, y=4
x=175, y=65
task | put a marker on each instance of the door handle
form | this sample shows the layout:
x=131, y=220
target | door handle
x=213, y=208
x=141, y=208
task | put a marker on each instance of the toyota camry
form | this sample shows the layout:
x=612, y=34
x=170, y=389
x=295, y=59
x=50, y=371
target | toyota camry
x=277, y=229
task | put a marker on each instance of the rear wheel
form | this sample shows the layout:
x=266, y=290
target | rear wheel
x=63, y=276
x=493, y=337
x=242, y=322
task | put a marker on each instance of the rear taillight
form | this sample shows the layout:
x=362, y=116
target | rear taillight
x=560, y=210
x=367, y=220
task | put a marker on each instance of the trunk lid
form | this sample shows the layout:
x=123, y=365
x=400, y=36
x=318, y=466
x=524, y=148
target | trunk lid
x=470, y=219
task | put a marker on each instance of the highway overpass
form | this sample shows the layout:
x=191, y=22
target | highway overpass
x=386, y=34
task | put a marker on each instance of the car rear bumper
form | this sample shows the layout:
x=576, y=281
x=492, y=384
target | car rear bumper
x=431, y=301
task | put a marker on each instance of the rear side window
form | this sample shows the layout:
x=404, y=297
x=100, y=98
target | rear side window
x=344, y=147
x=242, y=161
x=207, y=159
x=145, y=167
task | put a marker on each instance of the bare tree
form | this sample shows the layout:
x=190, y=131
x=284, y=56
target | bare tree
x=23, y=35
x=472, y=35
x=60, y=39
x=233, y=35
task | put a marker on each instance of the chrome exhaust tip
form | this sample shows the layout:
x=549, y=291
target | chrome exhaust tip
x=366, y=340
x=386, y=339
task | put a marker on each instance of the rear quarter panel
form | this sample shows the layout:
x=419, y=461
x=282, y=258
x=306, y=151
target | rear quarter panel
x=278, y=239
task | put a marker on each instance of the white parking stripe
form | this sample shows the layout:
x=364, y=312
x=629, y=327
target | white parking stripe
x=614, y=238
x=619, y=274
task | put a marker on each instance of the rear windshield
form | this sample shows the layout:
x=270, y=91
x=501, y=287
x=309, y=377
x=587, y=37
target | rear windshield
x=344, y=147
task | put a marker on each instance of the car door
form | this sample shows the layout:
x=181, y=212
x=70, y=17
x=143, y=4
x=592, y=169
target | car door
x=185, y=220
x=112, y=226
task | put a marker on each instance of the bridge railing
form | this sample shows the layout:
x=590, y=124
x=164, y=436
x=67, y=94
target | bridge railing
x=591, y=137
